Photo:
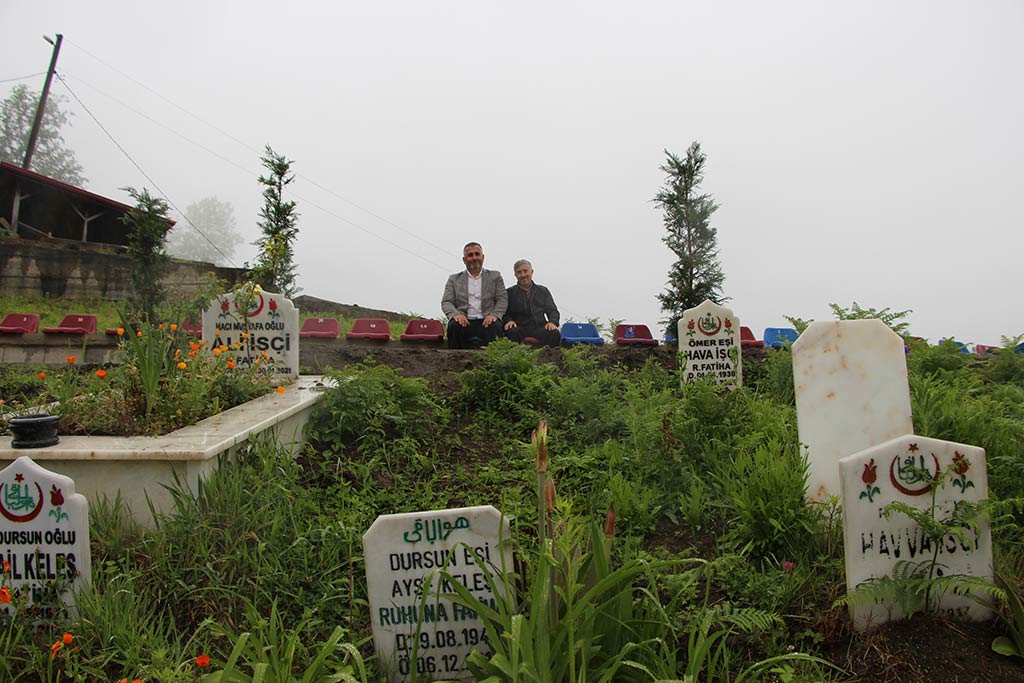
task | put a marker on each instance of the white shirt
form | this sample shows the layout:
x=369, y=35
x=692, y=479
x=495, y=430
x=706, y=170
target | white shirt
x=474, y=310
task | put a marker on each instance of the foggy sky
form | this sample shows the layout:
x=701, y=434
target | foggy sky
x=864, y=151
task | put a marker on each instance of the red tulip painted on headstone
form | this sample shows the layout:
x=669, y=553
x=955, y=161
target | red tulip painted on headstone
x=960, y=466
x=869, y=476
x=56, y=500
x=273, y=308
x=689, y=328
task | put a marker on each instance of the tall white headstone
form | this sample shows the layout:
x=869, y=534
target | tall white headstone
x=851, y=387
x=267, y=328
x=904, y=470
x=709, y=345
x=44, y=533
x=403, y=552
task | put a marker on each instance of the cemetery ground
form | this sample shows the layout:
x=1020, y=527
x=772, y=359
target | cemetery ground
x=707, y=484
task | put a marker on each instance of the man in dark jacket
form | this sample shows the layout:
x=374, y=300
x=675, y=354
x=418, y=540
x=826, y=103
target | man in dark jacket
x=531, y=309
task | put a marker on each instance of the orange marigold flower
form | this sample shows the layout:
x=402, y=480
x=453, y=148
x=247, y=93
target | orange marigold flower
x=192, y=345
x=203, y=661
x=216, y=332
x=245, y=335
x=217, y=352
x=41, y=375
x=101, y=373
x=138, y=333
x=181, y=365
x=120, y=331
x=161, y=326
x=231, y=364
x=55, y=648
x=177, y=354
x=256, y=362
x=224, y=347
x=67, y=638
x=280, y=389
x=5, y=596
x=7, y=566
x=191, y=354
x=70, y=359
x=174, y=327
x=202, y=341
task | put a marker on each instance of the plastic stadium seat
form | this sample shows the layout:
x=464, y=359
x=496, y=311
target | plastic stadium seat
x=191, y=328
x=422, y=329
x=320, y=328
x=370, y=328
x=20, y=323
x=581, y=333
x=776, y=337
x=634, y=335
x=76, y=323
x=747, y=340
x=984, y=349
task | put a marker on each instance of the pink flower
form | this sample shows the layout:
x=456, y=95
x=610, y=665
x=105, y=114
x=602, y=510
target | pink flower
x=788, y=566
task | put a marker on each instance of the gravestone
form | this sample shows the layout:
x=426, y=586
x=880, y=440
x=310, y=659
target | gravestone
x=850, y=378
x=44, y=534
x=267, y=328
x=709, y=345
x=903, y=470
x=403, y=553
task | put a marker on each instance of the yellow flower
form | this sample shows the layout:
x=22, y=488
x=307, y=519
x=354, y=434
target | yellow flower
x=181, y=365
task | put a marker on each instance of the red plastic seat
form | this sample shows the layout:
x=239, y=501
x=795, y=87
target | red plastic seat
x=747, y=339
x=320, y=328
x=421, y=329
x=633, y=335
x=76, y=323
x=20, y=323
x=980, y=349
x=370, y=328
x=192, y=329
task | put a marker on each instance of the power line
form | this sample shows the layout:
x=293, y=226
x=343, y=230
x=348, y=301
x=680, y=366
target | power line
x=250, y=148
x=140, y=169
x=22, y=78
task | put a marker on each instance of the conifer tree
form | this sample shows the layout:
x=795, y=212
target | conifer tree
x=148, y=226
x=275, y=268
x=696, y=274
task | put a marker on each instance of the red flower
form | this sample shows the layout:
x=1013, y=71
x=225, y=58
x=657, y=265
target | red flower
x=203, y=661
x=960, y=463
x=55, y=648
x=5, y=596
x=728, y=324
x=67, y=638
x=56, y=497
x=224, y=305
x=870, y=473
x=788, y=566
x=273, y=305
x=689, y=325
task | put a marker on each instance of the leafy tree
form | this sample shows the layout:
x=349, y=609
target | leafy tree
x=696, y=275
x=148, y=226
x=51, y=157
x=214, y=219
x=275, y=268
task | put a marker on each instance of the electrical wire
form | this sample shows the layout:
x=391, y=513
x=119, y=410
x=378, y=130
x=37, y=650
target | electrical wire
x=143, y=172
x=22, y=78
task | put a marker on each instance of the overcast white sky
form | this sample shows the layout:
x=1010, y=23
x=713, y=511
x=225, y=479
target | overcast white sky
x=860, y=151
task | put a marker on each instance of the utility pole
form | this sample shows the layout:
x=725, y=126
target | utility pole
x=37, y=122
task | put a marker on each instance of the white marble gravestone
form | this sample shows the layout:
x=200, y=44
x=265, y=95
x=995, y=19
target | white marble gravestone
x=271, y=323
x=401, y=552
x=44, y=533
x=850, y=378
x=903, y=470
x=709, y=345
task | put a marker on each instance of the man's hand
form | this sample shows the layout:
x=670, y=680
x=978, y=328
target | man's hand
x=510, y=324
x=487, y=321
x=550, y=326
x=461, y=319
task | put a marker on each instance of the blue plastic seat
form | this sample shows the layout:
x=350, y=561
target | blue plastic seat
x=580, y=333
x=961, y=347
x=777, y=337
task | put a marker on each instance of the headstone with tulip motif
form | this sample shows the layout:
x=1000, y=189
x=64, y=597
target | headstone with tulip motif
x=44, y=536
x=905, y=469
x=254, y=326
x=709, y=345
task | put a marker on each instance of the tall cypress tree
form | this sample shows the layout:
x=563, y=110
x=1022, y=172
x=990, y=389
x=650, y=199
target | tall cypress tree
x=696, y=275
x=275, y=267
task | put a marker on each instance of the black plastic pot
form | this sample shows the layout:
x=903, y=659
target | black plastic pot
x=33, y=431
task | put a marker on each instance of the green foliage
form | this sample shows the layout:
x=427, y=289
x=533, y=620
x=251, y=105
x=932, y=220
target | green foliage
x=1011, y=645
x=894, y=319
x=148, y=226
x=696, y=274
x=274, y=269
x=51, y=156
x=508, y=387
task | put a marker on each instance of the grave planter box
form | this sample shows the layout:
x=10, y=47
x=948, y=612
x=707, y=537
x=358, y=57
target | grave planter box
x=141, y=467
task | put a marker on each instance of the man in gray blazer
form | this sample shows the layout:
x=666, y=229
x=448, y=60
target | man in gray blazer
x=474, y=301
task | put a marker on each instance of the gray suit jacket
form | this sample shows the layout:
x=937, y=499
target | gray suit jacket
x=493, y=298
